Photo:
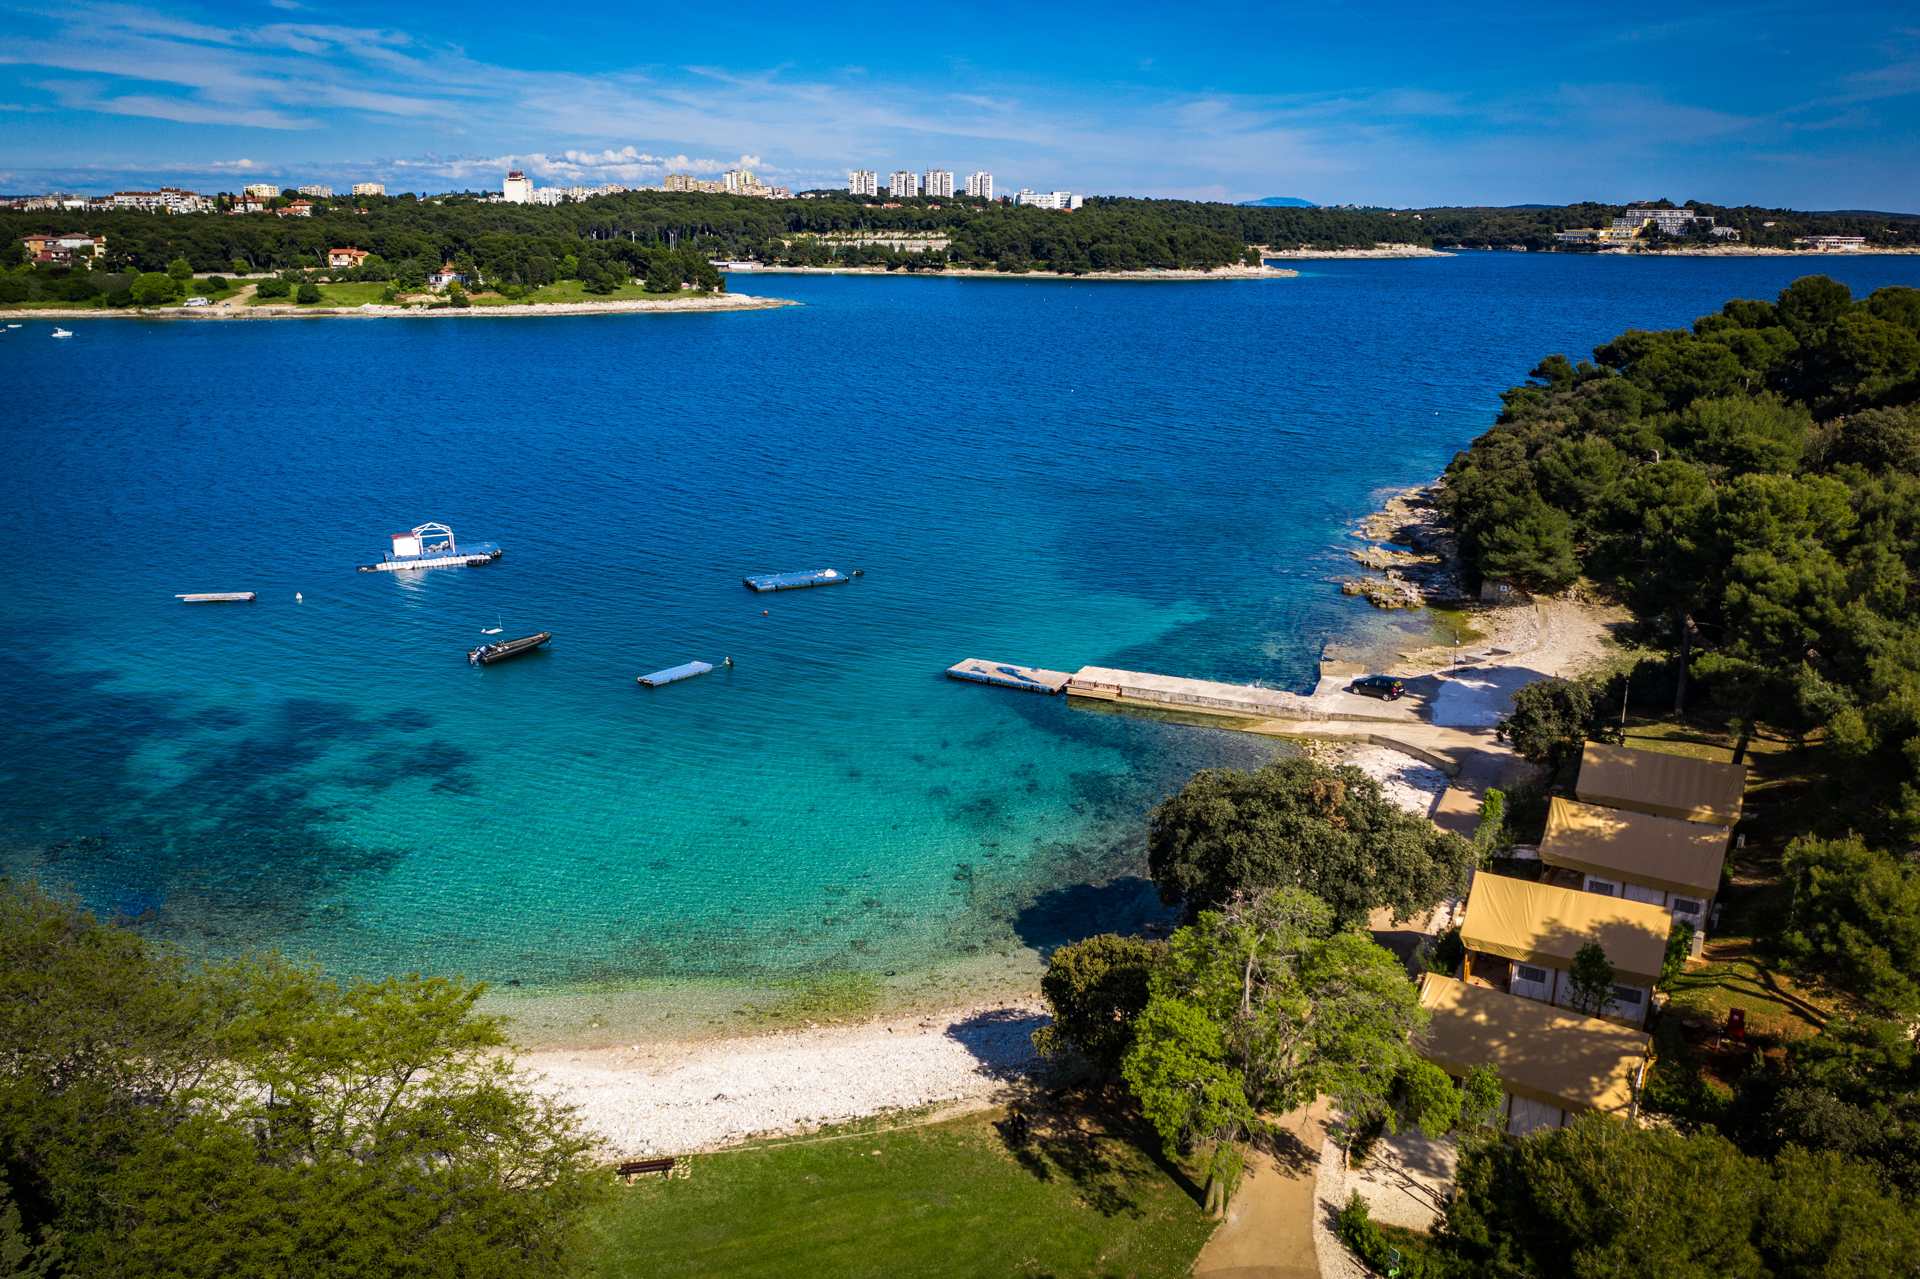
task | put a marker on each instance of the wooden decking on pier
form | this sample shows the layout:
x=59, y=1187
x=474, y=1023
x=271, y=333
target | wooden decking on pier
x=1031, y=678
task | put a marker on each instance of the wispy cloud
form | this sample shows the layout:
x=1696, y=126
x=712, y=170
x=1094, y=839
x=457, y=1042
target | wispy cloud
x=293, y=88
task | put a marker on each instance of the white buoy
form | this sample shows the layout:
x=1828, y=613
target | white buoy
x=298, y=598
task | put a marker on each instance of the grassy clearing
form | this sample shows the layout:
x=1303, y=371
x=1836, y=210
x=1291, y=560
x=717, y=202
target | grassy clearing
x=575, y=291
x=1084, y=1196
x=355, y=293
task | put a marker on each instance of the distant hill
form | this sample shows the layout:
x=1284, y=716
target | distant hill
x=1279, y=202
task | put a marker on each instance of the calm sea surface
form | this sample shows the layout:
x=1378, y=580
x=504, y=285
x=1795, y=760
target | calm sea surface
x=1145, y=475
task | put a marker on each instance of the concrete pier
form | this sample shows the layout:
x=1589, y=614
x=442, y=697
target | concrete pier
x=1175, y=692
x=1030, y=678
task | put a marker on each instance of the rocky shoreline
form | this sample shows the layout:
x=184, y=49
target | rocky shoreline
x=976, y=273
x=1412, y=557
x=379, y=311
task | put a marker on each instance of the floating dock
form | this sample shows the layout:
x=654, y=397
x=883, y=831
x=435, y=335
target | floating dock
x=1032, y=679
x=673, y=674
x=488, y=654
x=217, y=597
x=798, y=581
x=416, y=548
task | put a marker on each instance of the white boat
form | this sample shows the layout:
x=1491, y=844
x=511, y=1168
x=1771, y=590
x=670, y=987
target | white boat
x=62, y=333
x=13, y=326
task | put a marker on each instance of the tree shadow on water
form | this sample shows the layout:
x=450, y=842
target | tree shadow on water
x=1074, y=912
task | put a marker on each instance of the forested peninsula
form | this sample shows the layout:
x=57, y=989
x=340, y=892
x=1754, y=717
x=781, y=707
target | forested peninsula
x=642, y=233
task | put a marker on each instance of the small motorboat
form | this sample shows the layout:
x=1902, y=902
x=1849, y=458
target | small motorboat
x=488, y=654
x=13, y=326
x=495, y=629
x=62, y=333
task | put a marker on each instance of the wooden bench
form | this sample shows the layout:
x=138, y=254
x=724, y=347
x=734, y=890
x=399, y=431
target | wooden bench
x=640, y=1167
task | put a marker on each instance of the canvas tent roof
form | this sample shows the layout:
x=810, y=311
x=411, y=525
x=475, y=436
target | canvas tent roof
x=1617, y=843
x=1541, y=924
x=1694, y=790
x=1553, y=1055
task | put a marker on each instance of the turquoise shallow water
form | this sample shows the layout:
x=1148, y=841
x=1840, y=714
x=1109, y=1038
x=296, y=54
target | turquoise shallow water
x=1152, y=475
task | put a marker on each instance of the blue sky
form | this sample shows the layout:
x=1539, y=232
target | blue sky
x=1785, y=104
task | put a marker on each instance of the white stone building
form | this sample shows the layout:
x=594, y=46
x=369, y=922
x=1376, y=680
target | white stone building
x=980, y=185
x=903, y=185
x=939, y=182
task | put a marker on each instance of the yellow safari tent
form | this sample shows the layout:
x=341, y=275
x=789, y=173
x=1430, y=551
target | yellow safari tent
x=1621, y=845
x=1541, y=924
x=1541, y=1052
x=1693, y=790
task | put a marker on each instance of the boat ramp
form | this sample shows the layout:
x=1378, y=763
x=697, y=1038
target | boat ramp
x=1139, y=688
x=1032, y=679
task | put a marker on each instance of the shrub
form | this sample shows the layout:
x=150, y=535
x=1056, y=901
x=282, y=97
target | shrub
x=273, y=288
x=213, y=284
x=1549, y=722
x=307, y=294
x=1355, y=1227
x=153, y=288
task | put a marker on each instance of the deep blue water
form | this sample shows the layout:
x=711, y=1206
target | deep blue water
x=1150, y=475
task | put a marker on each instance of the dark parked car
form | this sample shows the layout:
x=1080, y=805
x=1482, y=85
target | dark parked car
x=1385, y=687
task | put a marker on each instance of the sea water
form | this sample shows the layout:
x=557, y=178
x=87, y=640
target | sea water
x=1154, y=475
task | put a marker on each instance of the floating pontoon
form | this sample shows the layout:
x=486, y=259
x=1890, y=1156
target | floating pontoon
x=488, y=654
x=217, y=597
x=798, y=581
x=686, y=670
x=431, y=545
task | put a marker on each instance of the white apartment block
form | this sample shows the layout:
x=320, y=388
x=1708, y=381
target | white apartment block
x=903, y=185
x=939, y=182
x=863, y=182
x=369, y=188
x=317, y=191
x=980, y=185
x=1049, y=199
x=517, y=188
x=262, y=190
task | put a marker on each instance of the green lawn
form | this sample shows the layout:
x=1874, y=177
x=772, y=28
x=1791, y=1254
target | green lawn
x=573, y=291
x=352, y=294
x=948, y=1198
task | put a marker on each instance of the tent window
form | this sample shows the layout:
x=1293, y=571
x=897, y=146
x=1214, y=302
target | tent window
x=1627, y=995
x=1527, y=972
x=1602, y=887
x=1685, y=906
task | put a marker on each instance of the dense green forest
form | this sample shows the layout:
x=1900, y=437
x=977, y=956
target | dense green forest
x=1751, y=489
x=530, y=245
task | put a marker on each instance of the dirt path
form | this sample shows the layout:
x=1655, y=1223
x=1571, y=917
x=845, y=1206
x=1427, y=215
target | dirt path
x=1268, y=1233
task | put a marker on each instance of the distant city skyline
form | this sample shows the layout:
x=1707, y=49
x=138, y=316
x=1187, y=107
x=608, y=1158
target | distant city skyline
x=1772, y=104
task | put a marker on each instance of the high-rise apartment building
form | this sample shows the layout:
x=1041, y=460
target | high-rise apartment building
x=517, y=189
x=369, y=188
x=903, y=185
x=317, y=191
x=262, y=190
x=863, y=182
x=939, y=182
x=980, y=185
